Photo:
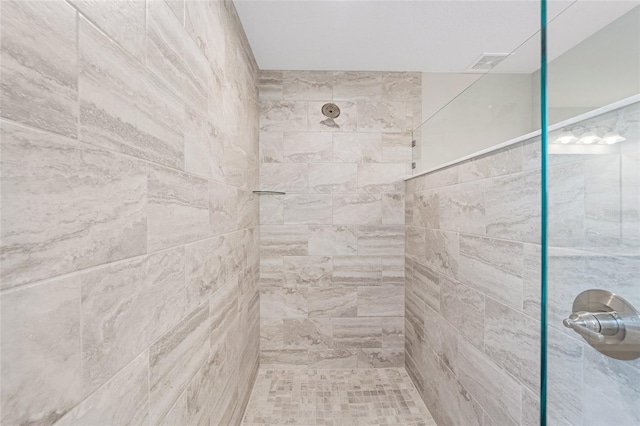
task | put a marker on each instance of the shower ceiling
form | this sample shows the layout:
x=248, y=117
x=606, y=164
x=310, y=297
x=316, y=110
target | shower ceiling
x=427, y=36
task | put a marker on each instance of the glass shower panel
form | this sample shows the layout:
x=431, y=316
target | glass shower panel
x=593, y=239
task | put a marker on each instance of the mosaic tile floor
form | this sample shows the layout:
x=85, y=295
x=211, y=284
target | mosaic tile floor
x=384, y=396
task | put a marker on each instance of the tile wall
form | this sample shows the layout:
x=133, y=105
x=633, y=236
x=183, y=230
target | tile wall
x=129, y=253
x=332, y=248
x=472, y=305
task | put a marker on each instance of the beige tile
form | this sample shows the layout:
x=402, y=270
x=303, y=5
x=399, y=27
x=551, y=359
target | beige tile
x=332, y=358
x=393, y=332
x=442, y=252
x=223, y=208
x=271, y=333
x=175, y=358
x=197, y=146
x=380, y=178
x=124, y=399
x=287, y=359
x=393, y=270
x=393, y=209
x=116, y=319
x=42, y=175
x=464, y=308
x=279, y=302
x=306, y=333
x=271, y=147
x=385, y=240
x=383, y=117
x=204, y=22
x=283, y=116
x=307, y=147
x=178, y=208
x=271, y=209
x=306, y=85
x=284, y=177
x=357, y=209
x=284, y=240
x=121, y=107
x=415, y=244
x=121, y=21
x=396, y=148
x=402, y=86
x=42, y=322
x=333, y=178
x=206, y=269
x=270, y=85
x=177, y=415
x=39, y=49
x=308, y=209
x=332, y=240
x=380, y=301
x=333, y=302
x=248, y=210
x=357, y=333
x=349, y=86
x=307, y=271
x=357, y=270
x=380, y=358
x=357, y=147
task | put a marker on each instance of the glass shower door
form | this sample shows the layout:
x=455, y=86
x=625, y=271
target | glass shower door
x=592, y=243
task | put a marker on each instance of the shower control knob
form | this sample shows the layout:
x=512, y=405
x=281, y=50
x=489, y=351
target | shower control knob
x=607, y=322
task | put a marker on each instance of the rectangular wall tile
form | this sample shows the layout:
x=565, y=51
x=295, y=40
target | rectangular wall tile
x=278, y=302
x=306, y=85
x=355, y=209
x=379, y=178
x=307, y=147
x=464, y=308
x=175, y=358
x=333, y=302
x=308, y=209
x=380, y=301
x=307, y=271
x=333, y=358
x=332, y=178
x=283, y=116
x=332, y=240
x=385, y=240
x=308, y=333
x=357, y=270
x=287, y=240
x=122, y=400
x=493, y=267
x=357, y=332
x=442, y=252
x=178, y=208
x=144, y=120
x=284, y=177
x=42, y=322
x=39, y=49
x=108, y=221
x=380, y=358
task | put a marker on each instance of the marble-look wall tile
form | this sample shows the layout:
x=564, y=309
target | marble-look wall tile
x=42, y=322
x=382, y=117
x=348, y=86
x=380, y=301
x=357, y=332
x=284, y=177
x=308, y=209
x=427, y=285
x=248, y=210
x=271, y=147
x=175, y=358
x=333, y=358
x=307, y=333
x=387, y=240
x=271, y=210
x=357, y=270
x=286, y=359
x=333, y=178
x=124, y=399
x=307, y=271
x=380, y=358
x=380, y=178
x=285, y=240
x=396, y=148
x=402, y=86
x=39, y=61
x=415, y=244
x=496, y=391
x=503, y=162
x=512, y=339
x=284, y=302
x=283, y=116
x=346, y=122
x=357, y=209
x=270, y=85
x=393, y=332
x=43, y=174
x=357, y=147
x=333, y=240
x=334, y=302
x=122, y=107
x=223, y=207
x=178, y=208
x=206, y=269
x=442, y=252
x=306, y=85
x=493, y=267
x=393, y=270
x=198, y=151
x=121, y=21
x=393, y=209
x=512, y=207
x=307, y=147
x=271, y=333
x=464, y=308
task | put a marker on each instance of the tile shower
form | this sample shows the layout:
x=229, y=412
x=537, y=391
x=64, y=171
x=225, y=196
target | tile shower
x=332, y=247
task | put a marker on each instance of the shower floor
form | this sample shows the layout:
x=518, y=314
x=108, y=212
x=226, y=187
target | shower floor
x=384, y=396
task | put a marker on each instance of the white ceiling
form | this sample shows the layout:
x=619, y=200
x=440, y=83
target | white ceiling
x=418, y=35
